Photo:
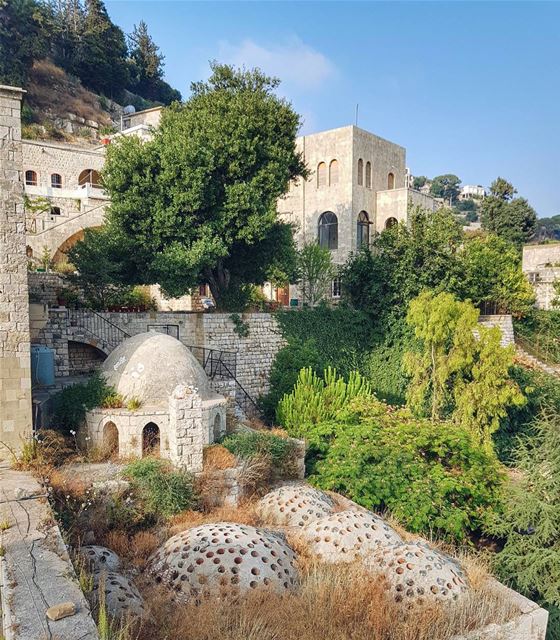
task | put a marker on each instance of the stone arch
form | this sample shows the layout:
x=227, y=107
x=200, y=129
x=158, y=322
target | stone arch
x=151, y=440
x=91, y=177
x=110, y=439
x=217, y=427
x=391, y=222
x=60, y=254
x=84, y=357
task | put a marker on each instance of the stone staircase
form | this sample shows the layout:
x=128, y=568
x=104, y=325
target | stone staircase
x=532, y=362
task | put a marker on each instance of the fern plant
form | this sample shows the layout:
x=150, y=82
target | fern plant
x=315, y=399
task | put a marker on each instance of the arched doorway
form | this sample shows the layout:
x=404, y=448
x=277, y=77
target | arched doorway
x=391, y=222
x=150, y=440
x=217, y=428
x=110, y=439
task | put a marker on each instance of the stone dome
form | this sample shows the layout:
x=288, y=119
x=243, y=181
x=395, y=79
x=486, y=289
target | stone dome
x=99, y=558
x=348, y=535
x=416, y=575
x=122, y=598
x=294, y=505
x=149, y=366
x=222, y=558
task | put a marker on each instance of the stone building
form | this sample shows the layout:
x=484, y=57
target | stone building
x=541, y=265
x=15, y=367
x=176, y=411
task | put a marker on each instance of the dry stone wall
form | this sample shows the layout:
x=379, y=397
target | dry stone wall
x=15, y=366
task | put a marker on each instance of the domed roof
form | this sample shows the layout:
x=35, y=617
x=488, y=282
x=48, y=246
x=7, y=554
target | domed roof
x=149, y=366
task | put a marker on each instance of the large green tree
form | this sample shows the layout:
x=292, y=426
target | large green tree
x=315, y=273
x=510, y=218
x=22, y=38
x=198, y=202
x=459, y=368
x=445, y=186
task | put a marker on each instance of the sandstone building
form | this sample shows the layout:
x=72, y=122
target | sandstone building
x=541, y=265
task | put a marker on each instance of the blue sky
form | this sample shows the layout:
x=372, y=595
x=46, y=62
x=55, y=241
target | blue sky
x=471, y=88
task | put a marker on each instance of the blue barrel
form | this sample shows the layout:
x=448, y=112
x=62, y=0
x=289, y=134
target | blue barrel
x=42, y=365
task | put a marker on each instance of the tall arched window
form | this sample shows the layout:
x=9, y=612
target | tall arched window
x=328, y=230
x=89, y=176
x=31, y=178
x=391, y=181
x=363, y=229
x=56, y=181
x=321, y=175
x=333, y=172
x=360, y=172
x=368, y=175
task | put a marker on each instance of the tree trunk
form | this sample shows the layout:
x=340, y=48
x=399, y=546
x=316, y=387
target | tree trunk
x=218, y=281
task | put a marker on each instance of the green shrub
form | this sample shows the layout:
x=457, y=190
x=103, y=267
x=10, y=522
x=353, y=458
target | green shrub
x=248, y=444
x=539, y=333
x=530, y=517
x=162, y=490
x=317, y=399
x=434, y=477
x=70, y=404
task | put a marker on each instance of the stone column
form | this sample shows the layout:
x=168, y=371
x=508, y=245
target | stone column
x=15, y=364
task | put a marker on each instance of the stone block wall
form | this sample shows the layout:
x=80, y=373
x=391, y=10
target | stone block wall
x=44, y=287
x=15, y=363
x=83, y=358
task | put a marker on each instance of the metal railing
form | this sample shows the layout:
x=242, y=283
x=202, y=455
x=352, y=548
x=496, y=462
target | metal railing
x=98, y=326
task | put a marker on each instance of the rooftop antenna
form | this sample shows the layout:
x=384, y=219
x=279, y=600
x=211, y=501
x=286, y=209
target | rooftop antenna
x=357, y=107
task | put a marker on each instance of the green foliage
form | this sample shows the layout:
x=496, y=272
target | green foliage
x=315, y=273
x=446, y=186
x=315, y=399
x=163, y=490
x=240, y=327
x=530, y=518
x=198, y=202
x=71, y=404
x=318, y=338
x=248, y=444
x=404, y=260
x=491, y=269
x=512, y=219
x=433, y=477
x=419, y=181
x=540, y=334
x=455, y=372
x=548, y=228
x=23, y=39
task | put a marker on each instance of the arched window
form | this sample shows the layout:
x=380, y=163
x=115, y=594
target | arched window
x=150, y=439
x=391, y=181
x=89, y=176
x=321, y=175
x=28, y=251
x=368, y=175
x=391, y=222
x=217, y=427
x=110, y=439
x=360, y=172
x=31, y=178
x=333, y=172
x=363, y=229
x=56, y=181
x=328, y=230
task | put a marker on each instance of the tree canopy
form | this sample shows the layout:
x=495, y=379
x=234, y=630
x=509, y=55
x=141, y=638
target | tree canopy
x=198, y=202
x=510, y=218
x=445, y=186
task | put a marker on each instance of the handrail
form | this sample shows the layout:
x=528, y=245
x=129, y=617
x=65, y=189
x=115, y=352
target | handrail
x=99, y=326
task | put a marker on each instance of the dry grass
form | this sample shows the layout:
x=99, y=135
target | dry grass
x=332, y=602
x=243, y=514
x=134, y=550
x=51, y=89
x=218, y=457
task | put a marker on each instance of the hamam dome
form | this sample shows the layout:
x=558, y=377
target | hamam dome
x=149, y=366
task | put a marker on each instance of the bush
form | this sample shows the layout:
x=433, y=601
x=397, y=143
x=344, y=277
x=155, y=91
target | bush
x=248, y=444
x=530, y=518
x=71, y=404
x=162, y=490
x=434, y=477
x=317, y=399
x=540, y=334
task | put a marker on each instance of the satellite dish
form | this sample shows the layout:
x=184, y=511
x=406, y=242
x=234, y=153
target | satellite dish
x=129, y=109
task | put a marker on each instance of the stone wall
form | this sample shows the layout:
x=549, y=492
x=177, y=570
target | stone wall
x=504, y=323
x=537, y=256
x=44, y=287
x=15, y=363
x=83, y=358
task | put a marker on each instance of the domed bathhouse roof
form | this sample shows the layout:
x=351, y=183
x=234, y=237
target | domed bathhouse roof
x=149, y=366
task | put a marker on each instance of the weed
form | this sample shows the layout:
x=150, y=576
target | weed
x=113, y=401
x=133, y=404
x=4, y=525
